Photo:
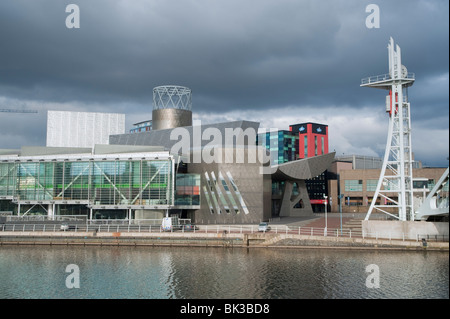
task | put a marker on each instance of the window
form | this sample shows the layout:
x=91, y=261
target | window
x=315, y=145
x=354, y=201
x=306, y=146
x=371, y=185
x=187, y=189
x=323, y=145
x=420, y=184
x=353, y=185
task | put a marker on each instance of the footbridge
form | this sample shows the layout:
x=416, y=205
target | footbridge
x=436, y=203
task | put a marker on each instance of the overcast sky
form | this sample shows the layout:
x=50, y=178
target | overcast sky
x=277, y=62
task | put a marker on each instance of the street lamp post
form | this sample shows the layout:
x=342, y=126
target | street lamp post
x=326, y=219
x=341, y=196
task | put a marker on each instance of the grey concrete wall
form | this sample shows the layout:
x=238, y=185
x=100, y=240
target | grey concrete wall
x=149, y=214
x=210, y=239
x=289, y=201
x=410, y=229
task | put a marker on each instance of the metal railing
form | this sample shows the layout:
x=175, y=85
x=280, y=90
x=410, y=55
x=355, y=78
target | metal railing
x=15, y=218
x=221, y=229
x=384, y=77
x=155, y=221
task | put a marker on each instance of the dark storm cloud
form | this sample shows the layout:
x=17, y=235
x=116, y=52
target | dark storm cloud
x=234, y=55
x=238, y=52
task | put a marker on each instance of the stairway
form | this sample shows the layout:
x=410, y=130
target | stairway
x=353, y=225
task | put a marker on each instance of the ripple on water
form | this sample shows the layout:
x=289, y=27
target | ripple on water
x=159, y=272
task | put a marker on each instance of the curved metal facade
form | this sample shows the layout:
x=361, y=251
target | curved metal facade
x=170, y=118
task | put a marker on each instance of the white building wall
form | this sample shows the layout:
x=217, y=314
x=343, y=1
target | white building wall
x=82, y=129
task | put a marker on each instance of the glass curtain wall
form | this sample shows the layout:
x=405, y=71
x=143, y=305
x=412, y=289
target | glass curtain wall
x=187, y=189
x=116, y=182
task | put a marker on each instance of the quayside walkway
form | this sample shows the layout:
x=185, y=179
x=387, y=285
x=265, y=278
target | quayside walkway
x=313, y=232
x=318, y=227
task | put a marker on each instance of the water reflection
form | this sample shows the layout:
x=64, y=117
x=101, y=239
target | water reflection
x=159, y=272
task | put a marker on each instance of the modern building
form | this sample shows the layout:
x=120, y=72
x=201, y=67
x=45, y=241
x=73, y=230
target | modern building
x=108, y=182
x=312, y=139
x=357, y=186
x=82, y=129
x=281, y=144
x=214, y=173
x=172, y=107
x=302, y=141
x=368, y=162
x=233, y=184
x=143, y=126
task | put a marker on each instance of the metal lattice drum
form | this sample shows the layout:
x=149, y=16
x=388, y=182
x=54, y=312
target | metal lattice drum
x=172, y=106
x=172, y=97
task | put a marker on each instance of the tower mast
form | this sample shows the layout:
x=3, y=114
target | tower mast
x=395, y=185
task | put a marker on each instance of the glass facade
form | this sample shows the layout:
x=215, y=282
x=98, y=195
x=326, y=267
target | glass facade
x=281, y=144
x=187, y=190
x=106, y=182
x=305, y=143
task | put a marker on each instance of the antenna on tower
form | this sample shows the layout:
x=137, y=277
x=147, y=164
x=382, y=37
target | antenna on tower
x=395, y=185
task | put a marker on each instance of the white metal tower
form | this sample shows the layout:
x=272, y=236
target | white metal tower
x=395, y=185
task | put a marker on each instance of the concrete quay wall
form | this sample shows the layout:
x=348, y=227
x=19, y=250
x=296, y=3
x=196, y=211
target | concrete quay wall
x=410, y=229
x=118, y=239
x=256, y=240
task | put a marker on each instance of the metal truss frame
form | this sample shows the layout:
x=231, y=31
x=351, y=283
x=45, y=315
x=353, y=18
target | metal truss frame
x=431, y=205
x=396, y=173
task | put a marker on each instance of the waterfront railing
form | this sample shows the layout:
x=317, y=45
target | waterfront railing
x=220, y=229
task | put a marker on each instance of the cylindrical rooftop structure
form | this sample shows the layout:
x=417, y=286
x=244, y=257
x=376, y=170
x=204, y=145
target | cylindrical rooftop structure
x=172, y=106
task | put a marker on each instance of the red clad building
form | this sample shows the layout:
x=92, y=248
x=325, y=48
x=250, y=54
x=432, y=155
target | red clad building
x=313, y=139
